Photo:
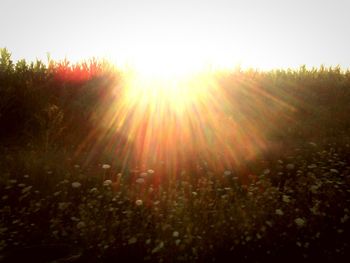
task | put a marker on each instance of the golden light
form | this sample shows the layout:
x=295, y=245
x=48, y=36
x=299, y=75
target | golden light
x=176, y=111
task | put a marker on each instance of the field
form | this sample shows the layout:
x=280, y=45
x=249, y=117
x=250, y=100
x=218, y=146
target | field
x=262, y=174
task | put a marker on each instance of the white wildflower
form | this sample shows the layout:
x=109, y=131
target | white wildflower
x=143, y=175
x=158, y=248
x=150, y=171
x=132, y=240
x=177, y=242
x=176, y=234
x=300, y=222
x=106, y=166
x=107, y=183
x=279, y=212
x=314, y=210
x=227, y=173
x=269, y=223
x=93, y=190
x=81, y=225
x=286, y=198
x=26, y=189
x=266, y=171
x=62, y=205
x=344, y=218
x=76, y=184
x=139, y=202
x=140, y=180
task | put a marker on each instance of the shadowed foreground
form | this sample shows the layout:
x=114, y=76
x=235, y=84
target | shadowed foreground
x=257, y=170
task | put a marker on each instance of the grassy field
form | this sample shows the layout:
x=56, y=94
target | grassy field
x=72, y=190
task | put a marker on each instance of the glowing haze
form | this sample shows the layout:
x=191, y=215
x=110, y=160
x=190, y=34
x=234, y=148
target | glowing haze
x=170, y=110
x=180, y=36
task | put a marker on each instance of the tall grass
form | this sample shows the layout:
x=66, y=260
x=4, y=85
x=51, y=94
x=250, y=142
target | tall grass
x=291, y=202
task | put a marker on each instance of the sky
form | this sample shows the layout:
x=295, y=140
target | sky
x=255, y=33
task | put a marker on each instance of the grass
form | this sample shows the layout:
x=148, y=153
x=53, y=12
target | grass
x=216, y=218
x=59, y=201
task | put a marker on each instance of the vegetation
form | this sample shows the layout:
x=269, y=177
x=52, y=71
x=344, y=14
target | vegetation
x=66, y=195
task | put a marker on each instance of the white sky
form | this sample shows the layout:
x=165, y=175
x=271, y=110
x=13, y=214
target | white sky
x=265, y=34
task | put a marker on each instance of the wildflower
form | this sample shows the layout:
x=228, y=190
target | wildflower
x=93, y=190
x=286, y=198
x=266, y=171
x=107, y=183
x=175, y=234
x=334, y=171
x=106, y=166
x=62, y=205
x=21, y=185
x=76, y=166
x=344, y=218
x=12, y=181
x=290, y=166
x=158, y=248
x=269, y=223
x=279, y=212
x=76, y=184
x=194, y=193
x=143, y=175
x=139, y=202
x=132, y=240
x=140, y=180
x=314, y=209
x=26, y=176
x=119, y=175
x=227, y=173
x=300, y=222
x=177, y=242
x=150, y=171
x=26, y=189
x=311, y=166
x=81, y=225
x=314, y=188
